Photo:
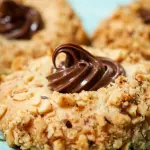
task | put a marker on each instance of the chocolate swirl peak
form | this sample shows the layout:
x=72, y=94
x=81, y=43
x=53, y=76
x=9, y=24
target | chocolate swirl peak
x=18, y=21
x=82, y=71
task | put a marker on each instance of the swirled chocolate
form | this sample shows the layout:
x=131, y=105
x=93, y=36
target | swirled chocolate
x=18, y=21
x=145, y=15
x=82, y=71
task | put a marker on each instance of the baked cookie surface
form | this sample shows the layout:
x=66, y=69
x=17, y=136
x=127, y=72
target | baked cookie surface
x=60, y=25
x=113, y=117
x=128, y=27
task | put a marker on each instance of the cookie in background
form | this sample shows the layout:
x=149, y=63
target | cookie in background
x=32, y=28
x=128, y=27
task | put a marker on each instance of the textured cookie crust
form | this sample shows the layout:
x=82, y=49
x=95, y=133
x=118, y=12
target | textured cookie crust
x=61, y=26
x=111, y=118
x=126, y=29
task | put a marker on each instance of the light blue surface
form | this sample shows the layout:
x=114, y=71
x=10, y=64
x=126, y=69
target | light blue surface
x=3, y=145
x=91, y=12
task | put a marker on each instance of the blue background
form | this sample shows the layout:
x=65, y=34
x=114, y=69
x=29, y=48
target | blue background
x=91, y=12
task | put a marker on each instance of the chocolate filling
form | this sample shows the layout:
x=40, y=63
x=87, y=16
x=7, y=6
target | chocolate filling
x=145, y=15
x=18, y=21
x=82, y=71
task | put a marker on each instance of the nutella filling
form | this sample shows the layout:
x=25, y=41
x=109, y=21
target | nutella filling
x=145, y=15
x=82, y=71
x=18, y=21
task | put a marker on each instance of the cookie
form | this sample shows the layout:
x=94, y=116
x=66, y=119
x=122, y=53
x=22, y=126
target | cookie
x=36, y=28
x=79, y=102
x=128, y=27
